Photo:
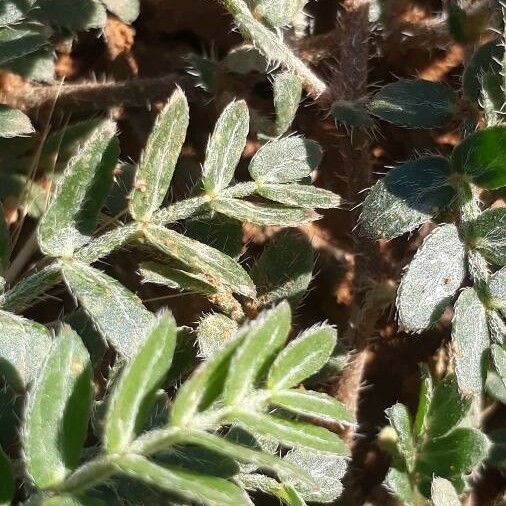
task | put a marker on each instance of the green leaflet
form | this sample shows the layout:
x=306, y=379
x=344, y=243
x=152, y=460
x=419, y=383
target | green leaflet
x=443, y=494
x=398, y=484
x=497, y=455
x=352, y=114
x=482, y=156
x=285, y=160
x=71, y=15
x=71, y=215
x=302, y=357
x=291, y=497
x=326, y=471
x=284, y=269
x=126, y=10
x=245, y=59
x=414, y=103
x=21, y=40
x=208, y=490
x=287, y=94
x=177, y=279
x=117, y=313
x=299, y=195
x=264, y=214
x=14, y=122
x=57, y=411
x=278, y=13
x=159, y=158
x=264, y=337
x=424, y=400
x=257, y=457
x=448, y=407
x=13, y=10
x=408, y=196
x=431, y=280
x=213, y=332
x=225, y=147
x=132, y=398
x=5, y=243
x=37, y=66
x=8, y=486
x=489, y=234
x=497, y=288
x=72, y=500
x=290, y=432
x=400, y=420
x=470, y=339
x=219, y=268
x=312, y=404
x=203, y=386
x=451, y=455
x=499, y=359
x=23, y=347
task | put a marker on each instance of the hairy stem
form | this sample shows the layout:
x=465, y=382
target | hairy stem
x=273, y=48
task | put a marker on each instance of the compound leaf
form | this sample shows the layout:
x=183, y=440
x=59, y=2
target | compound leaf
x=312, y=404
x=159, y=158
x=470, y=339
x=13, y=122
x=482, y=156
x=225, y=147
x=408, y=196
x=71, y=215
x=264, y=214
x=302, y=357
x=264, y=337
x=285, y=160
x=489, y=234
x=23, y=347
x=299, y=195
x=117, y=313
x=219, y=268
x=290, y=432
x=431, y=280
x=57, y=411
x=133, y=396
x=414, y=103
x=287, y=94
x=208, y=490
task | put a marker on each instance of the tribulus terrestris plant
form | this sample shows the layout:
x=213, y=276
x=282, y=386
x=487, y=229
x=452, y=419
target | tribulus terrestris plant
x=113, y=403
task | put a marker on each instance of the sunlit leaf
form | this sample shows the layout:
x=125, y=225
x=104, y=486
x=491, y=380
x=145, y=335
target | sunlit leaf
x=400, y=420
x=299, y=195
x=287, y=94
x=443, y=493
x=126, y=10
x=489, y=234
x=14, y=122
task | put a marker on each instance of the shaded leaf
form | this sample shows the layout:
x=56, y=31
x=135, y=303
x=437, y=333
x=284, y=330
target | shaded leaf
x=482, y=156
x=5, y=243
x=14, y=10
x=431, y=280
x=208, y=490
x=497, y=288
x=72, y=213
x=326, y=471
x=414, y=103
x=225, y=147
x=14, y=122
x=299, y=195
x=158, y=161
x=302, y=357
x=57, y=411
x=456, y=453
x=407, y=197
x=489, y=234
x=23, y=347
x=220, y=269
x=399, y=418
x=245, y=59
x=470, y=340
x=264, y=337
x=284, y=269
x=312, y=404
x=8, y=486
x=499, y=360
x=117, y=313
x=285, y=160
x=71, y=15
x=36, y=66
x=264, y=214
x=291, y=433
x=398, y=484
x=133, y=395
x=497, y=456
x=72, y=500
x=448, y=407
x=287, y=95
x=21, y=40
x=351, y=114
